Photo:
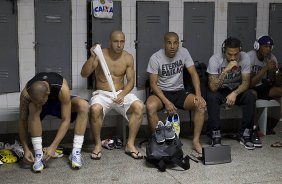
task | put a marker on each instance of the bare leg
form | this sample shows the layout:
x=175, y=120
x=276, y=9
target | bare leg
x=34, y=122
x=96, y=124
x=81, y=107
x=153, y=105
x=135, y=120
x=199, y=116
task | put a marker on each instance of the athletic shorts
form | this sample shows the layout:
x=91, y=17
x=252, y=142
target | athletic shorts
x=104, y=98
x=263, y=91
x=177, y=97
x=53, y=108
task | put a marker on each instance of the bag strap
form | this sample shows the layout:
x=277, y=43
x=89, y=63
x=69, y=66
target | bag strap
x=184, y=162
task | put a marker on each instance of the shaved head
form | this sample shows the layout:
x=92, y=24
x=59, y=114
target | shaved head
x=114, y=33
x=38, y=90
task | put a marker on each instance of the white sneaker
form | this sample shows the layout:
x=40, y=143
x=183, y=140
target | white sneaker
x=75, y=160
x=38, y=165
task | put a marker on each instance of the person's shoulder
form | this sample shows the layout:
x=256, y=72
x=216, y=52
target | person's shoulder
x=216, y=57
x=158, y=54
x=127, y=56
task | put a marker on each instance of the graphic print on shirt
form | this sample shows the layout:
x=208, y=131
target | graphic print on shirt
x=173, y=68
x=233, y=78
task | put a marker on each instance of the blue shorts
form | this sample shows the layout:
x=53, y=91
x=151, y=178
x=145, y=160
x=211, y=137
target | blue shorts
x=53, y=108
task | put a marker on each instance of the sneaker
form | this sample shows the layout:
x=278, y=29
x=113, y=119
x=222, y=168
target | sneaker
x=159, y=132
x=118, y=142
x=175, y=123
x=75, y=160
x=169, y=131
x=216, y=138
x=38, y=165
x=1, y=163
x=108, y=144
x=18, y=149
x=246, y=140
x=256, y=140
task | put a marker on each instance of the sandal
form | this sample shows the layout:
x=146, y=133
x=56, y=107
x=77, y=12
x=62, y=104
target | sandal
x=96, y=156
x=136, y=155
x=277, y=144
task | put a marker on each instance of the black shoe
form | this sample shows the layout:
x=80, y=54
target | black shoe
x=256, y=140
x=117, y=142
x=216, y=138
x=246, y=140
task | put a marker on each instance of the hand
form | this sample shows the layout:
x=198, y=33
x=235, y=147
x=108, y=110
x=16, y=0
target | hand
x=50, y=152
x=92, y=50
x=271, y=65
x=28, y=156
x=170, y=108
x=199, y=102
x=119, y=100
x=232, y=64
x=231, y=98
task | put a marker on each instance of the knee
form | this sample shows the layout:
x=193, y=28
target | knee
x=95, y=111
x=138, y=107
x=83, y=107
x=151, y=107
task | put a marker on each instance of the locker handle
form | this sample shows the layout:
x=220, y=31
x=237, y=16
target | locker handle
x=136, y=44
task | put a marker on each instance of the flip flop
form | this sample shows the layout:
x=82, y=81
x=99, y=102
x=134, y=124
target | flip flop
x=277, y=144
x=136, y=155
x=95, y=156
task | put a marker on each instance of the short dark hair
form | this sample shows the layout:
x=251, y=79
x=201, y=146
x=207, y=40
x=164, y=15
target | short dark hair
x=169, y=34
x=231, y=42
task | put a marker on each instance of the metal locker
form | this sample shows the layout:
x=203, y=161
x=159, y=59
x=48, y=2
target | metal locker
x=198, y=31
x=152, y=23
x=241, y=23
x=9, y=59
x=53, y=37
x=275, y=29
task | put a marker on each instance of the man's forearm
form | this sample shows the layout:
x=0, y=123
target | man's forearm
x=216, y=81
x=241, y=88
x=87, y=68
x=158, y=92
x=61, y=133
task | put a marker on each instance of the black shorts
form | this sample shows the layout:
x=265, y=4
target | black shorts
x=177, y=97
x=53, y=108
x=263, y=91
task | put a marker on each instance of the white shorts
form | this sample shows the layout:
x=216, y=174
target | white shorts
x=104, y=98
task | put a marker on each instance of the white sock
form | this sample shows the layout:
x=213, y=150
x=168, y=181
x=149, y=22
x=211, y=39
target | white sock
x=77, y=143
x=37, y=146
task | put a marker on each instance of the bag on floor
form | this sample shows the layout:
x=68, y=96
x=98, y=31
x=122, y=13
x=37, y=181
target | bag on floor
x=167, y=153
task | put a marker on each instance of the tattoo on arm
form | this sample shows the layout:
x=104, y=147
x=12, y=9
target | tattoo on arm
x=244, y=85
x=216, y=80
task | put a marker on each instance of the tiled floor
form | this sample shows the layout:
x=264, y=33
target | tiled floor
x=262, y=165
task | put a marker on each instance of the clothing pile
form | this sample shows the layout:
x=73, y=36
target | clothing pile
x=10, y=153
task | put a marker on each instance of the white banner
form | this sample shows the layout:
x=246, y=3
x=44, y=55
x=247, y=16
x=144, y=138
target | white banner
x=102, y=8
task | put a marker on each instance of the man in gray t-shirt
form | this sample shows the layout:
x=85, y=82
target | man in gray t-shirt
x=229, y=76
x=166, y=81
x=265, y=75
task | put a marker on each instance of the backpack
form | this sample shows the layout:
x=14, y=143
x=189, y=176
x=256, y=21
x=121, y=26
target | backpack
x=169, y=152
x=202, y=72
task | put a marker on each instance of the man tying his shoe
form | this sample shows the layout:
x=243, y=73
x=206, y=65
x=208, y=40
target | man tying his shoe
x=49, y=94
x=166, y=81
x=121, y=65
x=229, y=79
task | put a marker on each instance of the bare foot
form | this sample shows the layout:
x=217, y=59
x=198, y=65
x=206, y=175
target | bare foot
x=96, y=153
x=197, y=147
x=133, y=152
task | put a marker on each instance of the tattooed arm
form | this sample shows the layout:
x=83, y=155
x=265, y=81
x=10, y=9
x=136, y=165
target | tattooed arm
x=216, y=80
x=244, y=84
x=23, y=124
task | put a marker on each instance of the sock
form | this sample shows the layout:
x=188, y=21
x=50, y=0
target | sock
x=37, y=146
x=77, y=143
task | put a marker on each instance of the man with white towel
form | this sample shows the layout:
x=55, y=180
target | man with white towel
x=120, y=64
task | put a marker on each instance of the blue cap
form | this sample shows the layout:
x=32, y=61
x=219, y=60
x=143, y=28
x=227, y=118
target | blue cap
x=265, y=40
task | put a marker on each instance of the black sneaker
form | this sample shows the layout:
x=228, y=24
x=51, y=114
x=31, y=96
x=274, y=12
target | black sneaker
x=216, y=138
x=256, y=140
x=246, y=140
x=118, y=142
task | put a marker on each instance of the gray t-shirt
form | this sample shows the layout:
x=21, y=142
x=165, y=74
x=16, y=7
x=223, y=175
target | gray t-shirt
x=170, y=70
x=257, y=65
x=233, y=78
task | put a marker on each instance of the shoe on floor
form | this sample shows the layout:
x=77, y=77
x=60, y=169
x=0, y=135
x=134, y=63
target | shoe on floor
x=38, y=165
x=256, y=140
x=118, y=142
x=246, y=140
x=216, y=138
x=75, y=160
x=108, y=144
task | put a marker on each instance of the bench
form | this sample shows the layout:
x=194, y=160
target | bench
x=262, y=118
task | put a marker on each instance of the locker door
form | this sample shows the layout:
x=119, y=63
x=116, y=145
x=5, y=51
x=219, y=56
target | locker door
x=53, y=37
x=152, y=24
x=9, y=62
x=241, y=23
x=101, y=28
x=275, y=29
x=199, y=30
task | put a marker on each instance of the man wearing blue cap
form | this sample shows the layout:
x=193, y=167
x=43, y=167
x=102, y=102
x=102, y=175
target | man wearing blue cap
x=265, y=71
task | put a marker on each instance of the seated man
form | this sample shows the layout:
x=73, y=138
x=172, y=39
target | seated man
x=166, y=81
x=229, y=79
x=264, y=68
x=120, y=64
x=49, y=94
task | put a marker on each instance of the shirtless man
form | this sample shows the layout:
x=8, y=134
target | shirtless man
x=47, y=93
x=121, y=65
